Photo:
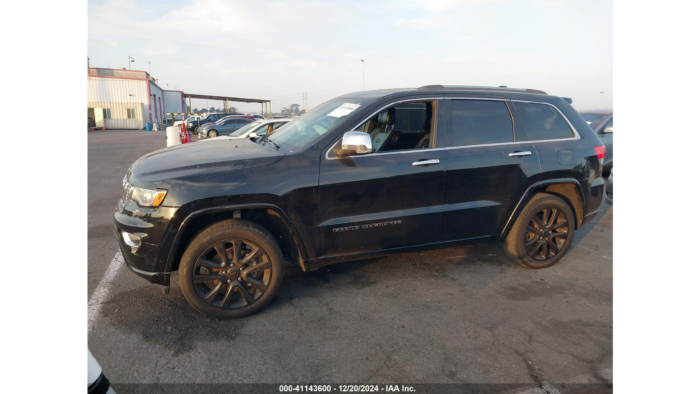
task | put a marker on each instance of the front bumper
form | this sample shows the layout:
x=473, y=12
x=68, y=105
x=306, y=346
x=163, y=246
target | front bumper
x=148, y=260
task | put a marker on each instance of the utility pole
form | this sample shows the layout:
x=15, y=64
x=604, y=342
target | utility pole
x=363, y=74
x=131, y=60
x=601, y=99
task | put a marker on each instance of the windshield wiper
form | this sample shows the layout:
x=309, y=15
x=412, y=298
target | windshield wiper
x=270, y=141
x=264, y=139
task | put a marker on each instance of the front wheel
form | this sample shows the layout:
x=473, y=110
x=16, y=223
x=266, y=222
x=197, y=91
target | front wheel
x=231, y=269
x=213, y=133
x=543, y=232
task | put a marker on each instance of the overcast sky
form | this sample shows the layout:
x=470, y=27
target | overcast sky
x=279, y=49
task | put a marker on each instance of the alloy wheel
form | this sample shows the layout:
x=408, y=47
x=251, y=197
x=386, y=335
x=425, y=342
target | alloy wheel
x=546, y=233
x=212, y=134
x=232, y=274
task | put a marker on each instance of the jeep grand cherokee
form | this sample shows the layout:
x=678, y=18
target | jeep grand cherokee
x=362, y=175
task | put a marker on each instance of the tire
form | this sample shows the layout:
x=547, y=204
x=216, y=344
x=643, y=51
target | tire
x=196, y=129
x=201, y=265
x=534, y=243
x=212, y=133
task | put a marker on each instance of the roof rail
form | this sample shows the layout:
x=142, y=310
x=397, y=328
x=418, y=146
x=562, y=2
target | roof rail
x=467, y=87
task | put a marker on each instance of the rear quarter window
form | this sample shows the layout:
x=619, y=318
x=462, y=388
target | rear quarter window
x=543, y=122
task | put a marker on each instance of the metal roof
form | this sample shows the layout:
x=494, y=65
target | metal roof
x=224, y=98
x=603, y=111
x=467, y=87
x=375, y=94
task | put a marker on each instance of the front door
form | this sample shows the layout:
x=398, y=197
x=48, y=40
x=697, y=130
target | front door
x=390, y=198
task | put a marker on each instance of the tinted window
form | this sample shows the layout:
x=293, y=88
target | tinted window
x=543, y=122
x=477, y=122
x=411, y=117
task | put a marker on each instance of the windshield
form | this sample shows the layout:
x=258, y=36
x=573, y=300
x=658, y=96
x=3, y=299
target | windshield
x=245, y=129
x=305, y=129
x=593, y=119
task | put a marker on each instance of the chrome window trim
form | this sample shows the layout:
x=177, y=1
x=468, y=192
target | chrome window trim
x=576, y=137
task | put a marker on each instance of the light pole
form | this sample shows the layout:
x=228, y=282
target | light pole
x=601, y=99
x=363, y=74
x=131, y=60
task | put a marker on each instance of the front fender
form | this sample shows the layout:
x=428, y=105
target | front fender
x=178, y=233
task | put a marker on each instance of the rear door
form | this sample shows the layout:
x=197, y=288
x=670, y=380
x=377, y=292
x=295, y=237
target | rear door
x=489, y=167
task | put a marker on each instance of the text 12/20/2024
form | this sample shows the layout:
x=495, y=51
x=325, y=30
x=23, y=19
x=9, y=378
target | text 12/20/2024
x=347, y=389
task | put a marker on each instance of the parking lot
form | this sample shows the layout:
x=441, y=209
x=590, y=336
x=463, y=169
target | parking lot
x=457, y=315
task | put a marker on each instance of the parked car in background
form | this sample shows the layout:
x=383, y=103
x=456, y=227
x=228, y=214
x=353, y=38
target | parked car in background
x=192, y=118
x=359, y=176
x=97, y=381
x=601, y=121
x=193, y=125
x=254, y=129
x=609, y=188
x=257, y=117
x=224, y=126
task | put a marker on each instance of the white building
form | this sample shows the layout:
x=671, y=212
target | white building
x=128, y=99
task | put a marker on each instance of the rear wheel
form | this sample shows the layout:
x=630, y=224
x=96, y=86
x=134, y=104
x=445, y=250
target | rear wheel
x=543, y=232
x=232, y=269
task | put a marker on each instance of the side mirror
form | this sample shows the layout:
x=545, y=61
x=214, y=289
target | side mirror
x=354, y=143
x=608, y=130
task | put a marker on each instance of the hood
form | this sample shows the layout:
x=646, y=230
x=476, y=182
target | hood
x=223, y=138
x=217, y=155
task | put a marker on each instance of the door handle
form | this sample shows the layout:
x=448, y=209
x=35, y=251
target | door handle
x=520, y=154
x=425, y=163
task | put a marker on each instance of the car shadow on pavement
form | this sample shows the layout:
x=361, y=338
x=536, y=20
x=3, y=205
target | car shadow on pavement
x=169, y=322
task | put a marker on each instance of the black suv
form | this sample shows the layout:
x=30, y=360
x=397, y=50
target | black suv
x=362, y=175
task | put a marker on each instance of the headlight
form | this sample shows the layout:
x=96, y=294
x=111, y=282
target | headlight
x=148, y=198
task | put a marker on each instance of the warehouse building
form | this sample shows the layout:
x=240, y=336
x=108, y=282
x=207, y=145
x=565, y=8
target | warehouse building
x=129, y=99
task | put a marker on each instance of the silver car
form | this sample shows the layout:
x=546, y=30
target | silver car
x=222, y=127
x=255, y=129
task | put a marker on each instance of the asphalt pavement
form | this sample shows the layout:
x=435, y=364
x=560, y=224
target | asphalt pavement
x=465, y=314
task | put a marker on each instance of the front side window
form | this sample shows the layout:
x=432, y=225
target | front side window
x=402, y=126
x=244, y=129
x=543, y=122
x=262, y=130
x=480, y=122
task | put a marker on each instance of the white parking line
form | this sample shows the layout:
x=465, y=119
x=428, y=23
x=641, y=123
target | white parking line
x=100, y=294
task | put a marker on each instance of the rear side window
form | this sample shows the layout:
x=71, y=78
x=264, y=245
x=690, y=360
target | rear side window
x=476, y=122
x=543, y=122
